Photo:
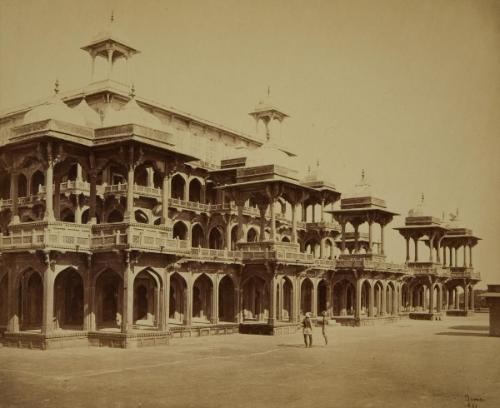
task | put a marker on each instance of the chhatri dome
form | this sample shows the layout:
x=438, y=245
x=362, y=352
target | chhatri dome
x=54, y=109
x=269, y=152
x=362, y=188
x=132, y=113
x=420, y=209
x=91, y=117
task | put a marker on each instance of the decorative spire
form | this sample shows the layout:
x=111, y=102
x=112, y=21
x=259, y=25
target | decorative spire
x=317, y=163
x=112, y=16
x=269, y=91
x=363, y=175
x=422, y=198
x=56, y=86
x=132, y=91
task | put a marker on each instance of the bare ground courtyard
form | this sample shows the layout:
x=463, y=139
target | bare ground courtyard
x=408, y=364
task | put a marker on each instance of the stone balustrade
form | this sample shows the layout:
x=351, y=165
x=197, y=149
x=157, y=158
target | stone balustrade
x=428, y=268
x=463, y=272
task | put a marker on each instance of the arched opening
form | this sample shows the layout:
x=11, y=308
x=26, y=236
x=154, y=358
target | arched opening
x=4, y=186
x=68, y=300
x=108, y=300
x=4, y=287
x=255, y=299
x=141, y=217
x=31, y=301
x=180, y=231
x=322, y=293
x=234, y=237
x=22, y=185
x=197, y=236
x=365, y=298
x=287, y=311
x=343, y=298
x=379, y=292
x=306, y=296
x=37, y=182
x=252, y=235
x=178, y=186
x=67, y=215
x=202, y=298
x=405, y=297
x=177, y=300
x=146, y=299
x=195, y=190
x=115, y=216
x=226, y=300
x=285, y=239
x=215, y=240
x=141, y=176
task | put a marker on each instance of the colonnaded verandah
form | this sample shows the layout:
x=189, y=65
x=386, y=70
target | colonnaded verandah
x=124, y=223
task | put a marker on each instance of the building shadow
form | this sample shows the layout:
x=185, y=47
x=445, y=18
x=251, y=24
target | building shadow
x=474, y=328
x=463, y=334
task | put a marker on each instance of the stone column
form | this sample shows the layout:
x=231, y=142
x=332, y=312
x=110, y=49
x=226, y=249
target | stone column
x=273, y=219
x=165, y=197
x=371, y=301
x=382, y=248
x=110, y=63
x=49, y=185
x=470, y=256
x=272, y=300
x=357, y=308
x=329, y=303
x=165, y=311
x=407, y=249
x=188, y=300
x=48, y=299
x=343, y=302
x=451, y=256
x=472, y=305
x=93, y=197
x=215, y=300
x=395, y=300
x=465, y=255
x=314, y=300
x=439, y=300
x=356, y=238
x=444, y=256
x=262, y=211
x=370, y=236
x=431, y=246
x=415, y=240
x=322, y=209
x=431, y=299
x=129, y=211
x=128, y=298
x=294, y=223
x=14, y=197
x=342, y=224
x=240, y=205
x=384, y=301
x=466, y=298
x=456, y=257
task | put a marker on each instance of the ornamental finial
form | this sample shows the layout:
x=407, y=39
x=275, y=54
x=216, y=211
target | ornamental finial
x=422, y=198
x=132, y=91
x=362, y=174
x=268, y=91
x=112, y=18
x=56, y=86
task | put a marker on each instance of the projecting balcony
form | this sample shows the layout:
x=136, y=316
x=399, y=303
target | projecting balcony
x=217, y=255
x=459, y=272
x=428, y=268
x=374, y=262
x=255, y=252
x=189, y=205
x=322, y=225
x=56, y=235
x=136, y=236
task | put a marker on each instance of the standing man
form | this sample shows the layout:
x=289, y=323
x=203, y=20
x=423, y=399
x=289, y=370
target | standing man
x=324, y=322
x=307, y=330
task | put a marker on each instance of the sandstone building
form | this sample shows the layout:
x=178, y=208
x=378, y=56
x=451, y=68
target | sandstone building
x=124, y=222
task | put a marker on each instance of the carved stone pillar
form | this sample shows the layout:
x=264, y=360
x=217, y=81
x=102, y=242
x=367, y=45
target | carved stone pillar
x=48, y=299
x=262, y=212
x=165, y=197
x=272, y=300
x=93, y=197
x=128, y=298
x=49, y=185
x=294, y=223
x=357, y=309
x=14, y=177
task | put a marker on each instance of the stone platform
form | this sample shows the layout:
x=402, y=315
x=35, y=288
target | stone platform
x=262, y=328
x=365, y=321
x=463, y=313
x=179, y=331
x=37, y=340
x=425, y=316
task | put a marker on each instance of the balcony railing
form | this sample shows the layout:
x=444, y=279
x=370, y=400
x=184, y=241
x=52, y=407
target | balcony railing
x=428, y=268
x=370, y=262
x=464, y=272
x=44, y=234
x=189, y=205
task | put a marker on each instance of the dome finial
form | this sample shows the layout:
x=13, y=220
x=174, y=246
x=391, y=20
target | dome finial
x=56, y=86
x=112, y=18
x=362, y=174
x=132, y=91
x=269, y=91
x=422, y=198
x=317, y=163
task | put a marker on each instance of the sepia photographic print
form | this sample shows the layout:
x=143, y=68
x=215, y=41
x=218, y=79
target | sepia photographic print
x=245, y=204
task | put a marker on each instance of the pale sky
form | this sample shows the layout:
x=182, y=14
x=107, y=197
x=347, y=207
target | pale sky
x=408, y=90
